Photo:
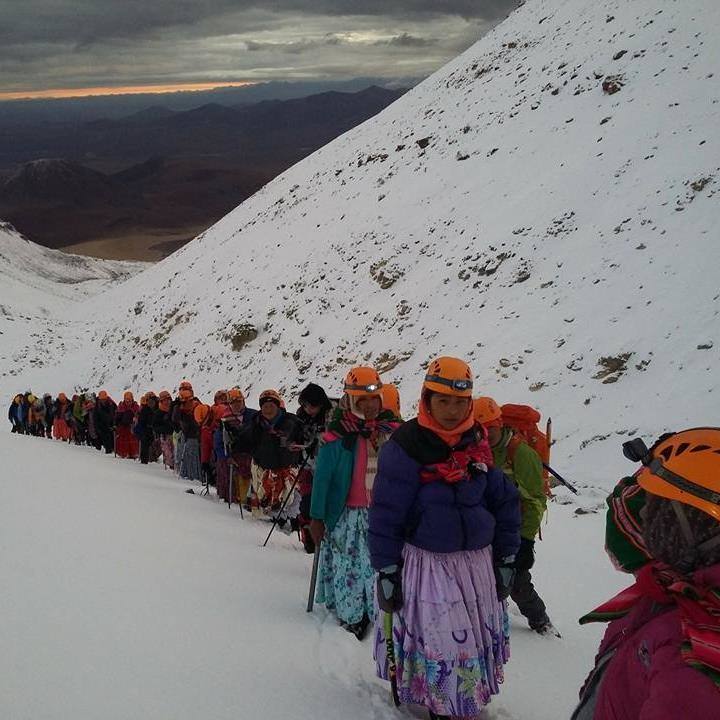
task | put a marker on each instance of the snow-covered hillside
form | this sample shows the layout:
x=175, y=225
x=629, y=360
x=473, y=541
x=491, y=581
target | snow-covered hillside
x=546, y=205
x=44, y=300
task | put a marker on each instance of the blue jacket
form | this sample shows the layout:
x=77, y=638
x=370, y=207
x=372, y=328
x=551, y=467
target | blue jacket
x=332, y=479
x=478, y=511
x=238, y=421
x=15, y=413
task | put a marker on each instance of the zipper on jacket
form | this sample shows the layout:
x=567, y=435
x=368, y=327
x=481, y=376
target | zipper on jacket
x=462, y=519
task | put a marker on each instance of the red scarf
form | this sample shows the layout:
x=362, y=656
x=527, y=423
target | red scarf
x=698, y=603
x=344, y=423
x=457, y=466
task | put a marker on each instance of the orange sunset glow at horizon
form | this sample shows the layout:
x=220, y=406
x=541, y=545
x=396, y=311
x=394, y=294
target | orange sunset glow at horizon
x=59, y=93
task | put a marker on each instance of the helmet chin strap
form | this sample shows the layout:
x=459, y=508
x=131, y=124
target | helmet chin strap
x=692, y=557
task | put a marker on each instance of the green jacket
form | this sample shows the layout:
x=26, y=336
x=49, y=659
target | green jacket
x=526, y=472
x=331, y=481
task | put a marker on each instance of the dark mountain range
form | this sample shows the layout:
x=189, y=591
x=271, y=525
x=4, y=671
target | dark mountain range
x=212, y=128
x=162, y=173
x=59, y=181
x=85, y=109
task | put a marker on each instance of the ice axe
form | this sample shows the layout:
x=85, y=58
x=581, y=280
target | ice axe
x=560, y=479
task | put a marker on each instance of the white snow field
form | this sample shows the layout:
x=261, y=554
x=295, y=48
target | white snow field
x=123, y=598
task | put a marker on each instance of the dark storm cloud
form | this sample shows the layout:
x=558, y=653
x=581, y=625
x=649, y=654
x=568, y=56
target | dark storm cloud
x=407, y=40
x=83, y=21
x=113, y=42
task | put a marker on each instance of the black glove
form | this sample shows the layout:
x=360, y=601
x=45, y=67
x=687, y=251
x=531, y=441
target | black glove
x=525, y=558
x=504, y=576
x=389, y=589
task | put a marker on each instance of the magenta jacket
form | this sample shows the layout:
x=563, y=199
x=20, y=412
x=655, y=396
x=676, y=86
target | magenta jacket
x=639, y=673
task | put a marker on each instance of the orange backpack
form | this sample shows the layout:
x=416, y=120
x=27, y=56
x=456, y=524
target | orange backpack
x=524, y=420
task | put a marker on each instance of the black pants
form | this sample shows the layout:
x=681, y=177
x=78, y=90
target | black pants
x=107, y=439
x=526, y=598
x=145, y=445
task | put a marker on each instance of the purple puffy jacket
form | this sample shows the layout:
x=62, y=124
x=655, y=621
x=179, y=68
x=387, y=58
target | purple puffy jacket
x=639, y=673
x=482, y=510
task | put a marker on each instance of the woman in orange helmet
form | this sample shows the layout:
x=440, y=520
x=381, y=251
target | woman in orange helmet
x=444, y=530
x=163, y=428
x=104, y=419
x=341, y=495
x=187, y=451
x=149, y=445
x=63, y=410
x=126, y=444
x=234, y=467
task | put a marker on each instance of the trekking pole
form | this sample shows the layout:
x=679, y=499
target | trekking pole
x=227, y=446
x=390, y=651
x=287, y=497
x=240, y=503
x=313, y=578
x=560, y=479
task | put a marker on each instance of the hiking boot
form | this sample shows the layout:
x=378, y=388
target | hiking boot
x=433, y=716
x=546, y=629
x=360, y=628
x=307, y=541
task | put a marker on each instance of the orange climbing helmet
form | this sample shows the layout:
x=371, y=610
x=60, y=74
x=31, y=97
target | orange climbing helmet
x=271, y=396
x=449, y=376
x=486, y=410
x=391, y=399
x=684, y=466
x=235, y=395
x=362, y=381
x=185, y=390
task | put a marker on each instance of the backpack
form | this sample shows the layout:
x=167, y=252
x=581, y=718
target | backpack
x=524, y=420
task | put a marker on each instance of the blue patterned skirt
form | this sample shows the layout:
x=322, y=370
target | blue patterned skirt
x=346, y=580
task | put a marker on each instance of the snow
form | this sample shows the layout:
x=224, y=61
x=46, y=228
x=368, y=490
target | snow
x=44, y=297
x=125, y=597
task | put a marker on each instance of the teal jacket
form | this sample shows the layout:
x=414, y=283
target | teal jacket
x=331, y=481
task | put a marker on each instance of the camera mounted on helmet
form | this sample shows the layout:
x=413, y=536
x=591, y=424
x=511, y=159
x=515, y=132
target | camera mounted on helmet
x=636, y=450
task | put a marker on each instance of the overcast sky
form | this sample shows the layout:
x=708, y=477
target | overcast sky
x=49, y=44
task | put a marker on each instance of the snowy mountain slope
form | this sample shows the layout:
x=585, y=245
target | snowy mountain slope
x=545, y=205
x=43, y=301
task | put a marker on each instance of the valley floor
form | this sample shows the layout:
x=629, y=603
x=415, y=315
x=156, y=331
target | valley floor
x=125, y=597
x=149, y=245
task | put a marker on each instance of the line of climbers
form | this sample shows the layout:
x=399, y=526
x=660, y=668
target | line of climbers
x=427, y=527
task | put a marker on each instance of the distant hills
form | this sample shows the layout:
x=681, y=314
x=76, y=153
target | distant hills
x=162, y=172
